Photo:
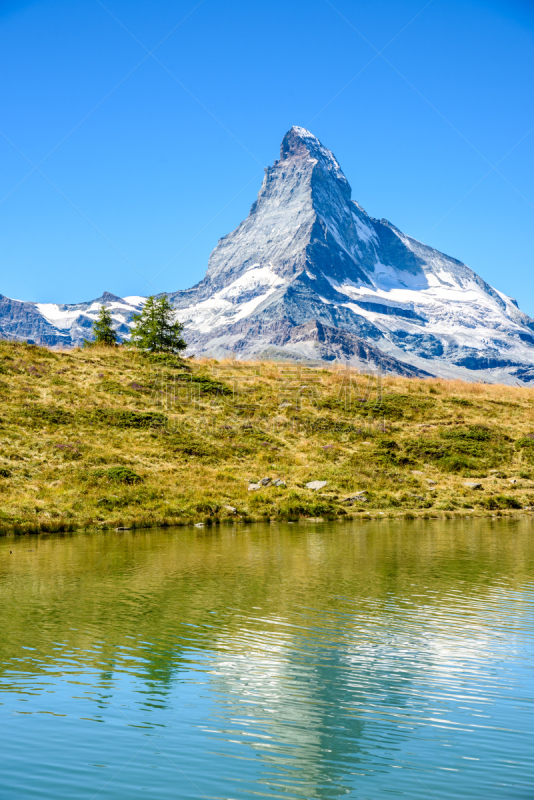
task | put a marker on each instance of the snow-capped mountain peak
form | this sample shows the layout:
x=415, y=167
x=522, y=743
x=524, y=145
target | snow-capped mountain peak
x=310, y=274
x=337, y=265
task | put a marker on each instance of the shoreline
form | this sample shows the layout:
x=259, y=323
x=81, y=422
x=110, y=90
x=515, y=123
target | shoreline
x=214, y=522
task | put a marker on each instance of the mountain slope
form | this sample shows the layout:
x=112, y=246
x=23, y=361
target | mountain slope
x=308, y=257
x=308, y=252
x=60, y=324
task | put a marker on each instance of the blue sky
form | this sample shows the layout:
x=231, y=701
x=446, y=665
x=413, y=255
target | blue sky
x=144, y=164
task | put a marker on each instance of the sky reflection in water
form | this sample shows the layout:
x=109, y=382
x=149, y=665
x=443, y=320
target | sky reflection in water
x=367, y=660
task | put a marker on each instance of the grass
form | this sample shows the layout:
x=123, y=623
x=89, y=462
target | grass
x=110, y=437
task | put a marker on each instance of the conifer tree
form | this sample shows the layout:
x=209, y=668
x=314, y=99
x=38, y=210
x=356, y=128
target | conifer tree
x=156, y=328
x=103, y=328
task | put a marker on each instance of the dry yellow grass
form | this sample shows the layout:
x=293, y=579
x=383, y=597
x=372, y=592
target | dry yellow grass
x=114, y=438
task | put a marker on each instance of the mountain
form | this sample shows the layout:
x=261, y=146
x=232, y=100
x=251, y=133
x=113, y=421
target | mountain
x=63, y=325
x=307, y=253
x=310, y=275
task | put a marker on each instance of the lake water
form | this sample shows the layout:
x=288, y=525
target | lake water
x=312, y=660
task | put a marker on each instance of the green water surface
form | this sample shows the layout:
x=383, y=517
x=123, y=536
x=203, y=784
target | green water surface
x=310, y=660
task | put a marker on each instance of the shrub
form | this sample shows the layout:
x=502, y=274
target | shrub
x=461, y=401
x=526, y=444
x=399, y=406
x=474, y=433
x=129, y=419
x=112, y=502
x=456, y=463
x=123, y=475
x=5, y=473
x=113, y=387
x=207, y=508
x=388, y=444
x=51, y=415
x=209, y=385
x=164, y=360
x=501, y=501
x=293, y=510
x=472, y=447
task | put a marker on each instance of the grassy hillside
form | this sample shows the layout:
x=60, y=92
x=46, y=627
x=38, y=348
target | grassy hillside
x=111, y=438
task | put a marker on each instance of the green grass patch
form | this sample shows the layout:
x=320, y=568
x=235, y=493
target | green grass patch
x=123, y=475
x=47, y=415
x=501, y=501
x=403, y=406
x=123, y=418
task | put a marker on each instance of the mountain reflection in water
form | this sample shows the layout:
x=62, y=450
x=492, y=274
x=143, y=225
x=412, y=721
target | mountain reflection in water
x=306, y=660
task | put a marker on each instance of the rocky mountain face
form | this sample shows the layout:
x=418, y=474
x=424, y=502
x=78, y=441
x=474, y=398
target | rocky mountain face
x=309, y=275
x=61, y=325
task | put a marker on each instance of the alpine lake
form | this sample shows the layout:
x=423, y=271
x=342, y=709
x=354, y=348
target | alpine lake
x=365, y=659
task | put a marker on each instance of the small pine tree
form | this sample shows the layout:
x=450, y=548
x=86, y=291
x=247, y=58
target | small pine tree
x=156, y=328
x=103, y=328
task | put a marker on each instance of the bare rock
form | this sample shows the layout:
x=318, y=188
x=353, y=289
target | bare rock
x=265, y=481
x=316, y=485
x=231, y=509
x=357, y=497
x=473, y=485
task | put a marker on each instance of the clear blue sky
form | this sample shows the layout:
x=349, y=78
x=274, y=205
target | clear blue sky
x=156, y=160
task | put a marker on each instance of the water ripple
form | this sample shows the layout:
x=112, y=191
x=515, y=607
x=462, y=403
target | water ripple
x=274, y=661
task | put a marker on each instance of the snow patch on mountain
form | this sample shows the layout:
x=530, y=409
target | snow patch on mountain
x=64, y=317
x=56, y=316
x=236, y=301
x=365, y=232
